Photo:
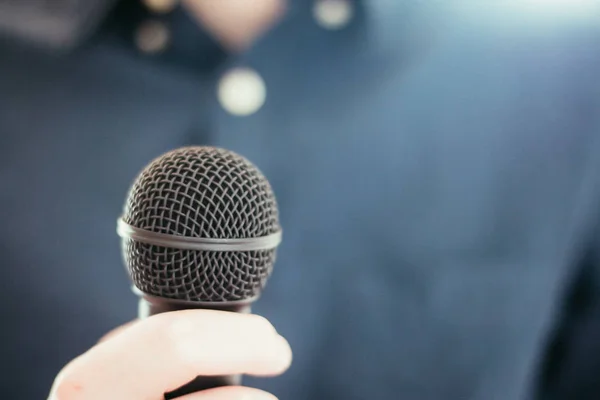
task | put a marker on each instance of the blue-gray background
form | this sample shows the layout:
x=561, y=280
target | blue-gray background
x=437, y=175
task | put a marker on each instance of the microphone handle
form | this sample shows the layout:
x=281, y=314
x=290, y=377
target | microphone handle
x=151, y=306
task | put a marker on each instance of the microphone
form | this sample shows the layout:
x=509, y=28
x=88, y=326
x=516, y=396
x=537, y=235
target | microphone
x=199, y=230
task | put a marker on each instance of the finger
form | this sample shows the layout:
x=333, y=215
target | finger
x=164, y=352
x=117, y=331
x=230, y=393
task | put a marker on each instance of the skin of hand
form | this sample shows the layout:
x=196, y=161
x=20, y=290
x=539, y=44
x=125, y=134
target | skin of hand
x=147, y=358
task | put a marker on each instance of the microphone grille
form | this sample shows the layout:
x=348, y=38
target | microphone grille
x=200, y=192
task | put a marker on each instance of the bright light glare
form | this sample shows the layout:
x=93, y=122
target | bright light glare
x=562, y=6
x=534, y=11
x=559, y=2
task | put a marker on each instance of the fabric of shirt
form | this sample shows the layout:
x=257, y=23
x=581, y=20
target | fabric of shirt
x=436, y=168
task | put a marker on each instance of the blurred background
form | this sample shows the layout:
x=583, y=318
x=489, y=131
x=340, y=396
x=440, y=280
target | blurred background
x=435, y=163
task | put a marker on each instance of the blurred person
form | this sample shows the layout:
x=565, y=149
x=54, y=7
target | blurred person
x=436, y=166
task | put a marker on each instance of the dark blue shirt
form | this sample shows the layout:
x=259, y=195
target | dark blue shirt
x=436, y=168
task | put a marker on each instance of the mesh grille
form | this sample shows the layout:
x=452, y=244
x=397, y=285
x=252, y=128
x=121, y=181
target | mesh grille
x=200, y=192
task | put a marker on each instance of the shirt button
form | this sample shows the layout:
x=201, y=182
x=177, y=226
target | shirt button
x=152, y=37
x=242, y=91
x=160, y=6
x=333, y=14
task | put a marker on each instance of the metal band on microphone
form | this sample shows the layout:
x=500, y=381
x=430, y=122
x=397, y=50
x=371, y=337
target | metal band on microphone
x=127, y=231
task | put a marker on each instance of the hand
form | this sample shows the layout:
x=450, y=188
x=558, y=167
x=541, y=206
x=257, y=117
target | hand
x=147, y=358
